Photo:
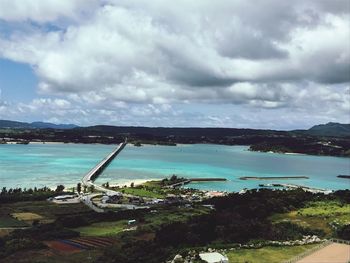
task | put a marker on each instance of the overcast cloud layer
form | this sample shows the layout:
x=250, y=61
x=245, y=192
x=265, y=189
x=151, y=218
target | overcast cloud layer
x=263, y=64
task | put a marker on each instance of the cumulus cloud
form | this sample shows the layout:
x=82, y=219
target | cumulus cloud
x=44, y=10
x=263, y=55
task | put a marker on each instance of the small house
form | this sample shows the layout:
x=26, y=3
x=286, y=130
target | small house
x=132, y=222
x=213, y=257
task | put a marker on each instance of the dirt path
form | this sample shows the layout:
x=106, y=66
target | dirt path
x=333, y=253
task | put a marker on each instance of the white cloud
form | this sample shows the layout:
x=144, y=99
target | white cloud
x=43, y=10
x=263, y=55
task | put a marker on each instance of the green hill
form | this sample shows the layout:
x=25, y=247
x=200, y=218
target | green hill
x=330, y=129
x=34, y=125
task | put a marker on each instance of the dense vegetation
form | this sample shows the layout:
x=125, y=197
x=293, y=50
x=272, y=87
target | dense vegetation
x=30, y=194
x=332, y=147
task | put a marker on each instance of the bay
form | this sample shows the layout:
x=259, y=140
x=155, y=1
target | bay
x=52, y=164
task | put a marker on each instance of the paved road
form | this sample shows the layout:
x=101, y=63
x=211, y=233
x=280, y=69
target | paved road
x=86, y=199
x=88, y=179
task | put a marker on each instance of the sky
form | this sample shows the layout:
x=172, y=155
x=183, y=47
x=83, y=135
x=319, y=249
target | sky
x=267, y=64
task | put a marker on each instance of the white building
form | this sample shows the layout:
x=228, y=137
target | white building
x=213, y=257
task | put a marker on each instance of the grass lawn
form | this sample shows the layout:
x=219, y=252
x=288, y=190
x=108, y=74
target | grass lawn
x=318, y=215
x=154, y=184
x=8, y=221
x=266, y=254
x=102, y=228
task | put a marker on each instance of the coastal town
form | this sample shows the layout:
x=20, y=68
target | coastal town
x=104, y=197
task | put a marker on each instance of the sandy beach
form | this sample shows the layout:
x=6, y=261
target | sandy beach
x=135, y=181
x=46, y=142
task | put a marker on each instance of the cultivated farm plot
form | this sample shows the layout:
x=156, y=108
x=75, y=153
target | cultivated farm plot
x=27, y=216
x=267, y=254
x=74, y=245
x=62, y=247
x=48, y=210
x=9, y=222
x=102, y=228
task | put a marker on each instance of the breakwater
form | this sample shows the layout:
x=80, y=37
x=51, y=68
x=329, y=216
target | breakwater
x=343, y=176
x=207, y=179
x=273, y=177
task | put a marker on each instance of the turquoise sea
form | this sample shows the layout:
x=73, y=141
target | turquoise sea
x=51, y=164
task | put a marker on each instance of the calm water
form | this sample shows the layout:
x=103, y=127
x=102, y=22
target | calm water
x=52, y=164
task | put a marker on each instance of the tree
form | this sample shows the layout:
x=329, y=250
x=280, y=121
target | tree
x=173, y=178
x=59, y=188
x=132, y=185
x=344, y=232
x=107, y=185
x=79, y=188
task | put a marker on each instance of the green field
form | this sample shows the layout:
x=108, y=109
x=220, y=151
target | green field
x=8, y=221
x=174, y=214
x=102, y=228
x=142, y=192
x=325, y=209
x=318, y=215
x=266, y=254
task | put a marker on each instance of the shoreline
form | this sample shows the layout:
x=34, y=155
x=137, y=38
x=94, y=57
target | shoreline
x=286, y=153
x=111, y=184
x=136, y=182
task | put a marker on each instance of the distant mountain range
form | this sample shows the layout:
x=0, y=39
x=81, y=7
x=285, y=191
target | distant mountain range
x=34, y=125
x=329, y=129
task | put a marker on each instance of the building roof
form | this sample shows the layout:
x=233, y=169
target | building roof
x=64, y=197
x=213, y=257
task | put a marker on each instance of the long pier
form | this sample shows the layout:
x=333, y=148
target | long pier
x=89, y=178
